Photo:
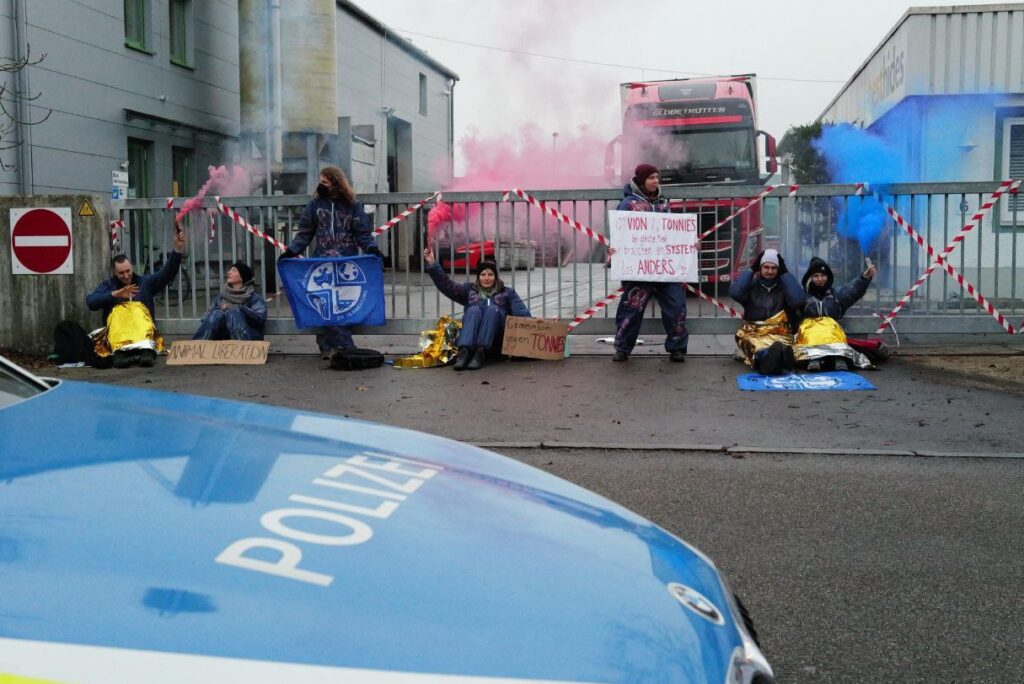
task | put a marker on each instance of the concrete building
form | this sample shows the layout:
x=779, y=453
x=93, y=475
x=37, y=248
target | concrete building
x=165, y=88
x=945, y=87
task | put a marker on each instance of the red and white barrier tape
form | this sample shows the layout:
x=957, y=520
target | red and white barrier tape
x=767, y=191
x=237, y=218
x=116, y=227
x=1005, y=186
x=169, y=203
x=571, y=222
x=708, y=298
x=965, y=284
x=405, y=214
x=594, y=308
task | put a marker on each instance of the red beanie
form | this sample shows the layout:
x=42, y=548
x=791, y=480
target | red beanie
x=643, y=172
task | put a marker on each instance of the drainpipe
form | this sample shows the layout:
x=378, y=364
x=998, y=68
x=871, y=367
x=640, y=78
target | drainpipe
x=451, y=130
x=25, y=173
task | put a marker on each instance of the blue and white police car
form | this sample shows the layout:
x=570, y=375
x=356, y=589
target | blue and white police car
x=156, y=537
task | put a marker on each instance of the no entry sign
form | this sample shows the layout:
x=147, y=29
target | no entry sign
x=41, y=241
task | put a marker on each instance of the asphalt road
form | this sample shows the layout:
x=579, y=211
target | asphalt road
x=856, y=567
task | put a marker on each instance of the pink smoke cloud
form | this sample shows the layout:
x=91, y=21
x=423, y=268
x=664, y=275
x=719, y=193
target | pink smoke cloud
x=224, y=180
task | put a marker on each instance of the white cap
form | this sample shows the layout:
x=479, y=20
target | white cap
x=770, y=256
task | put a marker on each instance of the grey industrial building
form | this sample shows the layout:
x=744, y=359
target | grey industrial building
x=174, y=86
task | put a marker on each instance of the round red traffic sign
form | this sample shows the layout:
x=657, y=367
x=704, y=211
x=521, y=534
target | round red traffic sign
x=41, y=241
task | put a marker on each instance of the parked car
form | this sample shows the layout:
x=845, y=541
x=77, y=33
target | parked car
x=158, y=537
x=465, y=256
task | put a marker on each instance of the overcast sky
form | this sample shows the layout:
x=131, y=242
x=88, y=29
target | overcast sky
x=803, y=51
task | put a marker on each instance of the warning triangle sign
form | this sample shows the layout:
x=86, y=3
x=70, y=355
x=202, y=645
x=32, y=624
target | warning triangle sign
x=86, y=209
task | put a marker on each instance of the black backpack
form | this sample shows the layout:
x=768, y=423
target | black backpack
x=355, y=358
x=71, y=344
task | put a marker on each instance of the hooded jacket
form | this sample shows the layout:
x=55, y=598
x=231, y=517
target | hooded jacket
x=634, y=199
x=338, y=228
x=829, y=301
x=762, y=298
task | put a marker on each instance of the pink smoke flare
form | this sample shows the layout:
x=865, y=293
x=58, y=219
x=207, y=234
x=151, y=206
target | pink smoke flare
x=228, y=181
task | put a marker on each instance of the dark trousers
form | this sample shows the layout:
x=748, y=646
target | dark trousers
x=482, y=326
x=226, y=324
x=630, y=313
x=334, y=337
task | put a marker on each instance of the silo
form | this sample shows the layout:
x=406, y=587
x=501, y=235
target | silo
x=309, y=66
x=288, y=71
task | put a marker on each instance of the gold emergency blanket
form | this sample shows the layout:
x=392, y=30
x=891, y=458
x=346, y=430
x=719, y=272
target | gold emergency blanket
x=439, y=346
x=129, y=327
x=820, y=338
x=753, y=336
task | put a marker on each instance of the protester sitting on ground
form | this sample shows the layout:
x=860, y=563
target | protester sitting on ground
x=821, y=342
x=238, y=312
x=771, y=299
x=129, y=310
x=340, y=227
x=643, y=193
x=487, y=303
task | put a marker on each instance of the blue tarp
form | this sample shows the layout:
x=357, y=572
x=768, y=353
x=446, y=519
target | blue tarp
x=837, y=381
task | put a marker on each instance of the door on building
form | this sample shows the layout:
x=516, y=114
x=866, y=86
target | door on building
x=404, y=244
x=182, y=175
x=137, y=223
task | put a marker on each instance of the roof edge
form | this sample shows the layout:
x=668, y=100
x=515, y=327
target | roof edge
x=394, y=37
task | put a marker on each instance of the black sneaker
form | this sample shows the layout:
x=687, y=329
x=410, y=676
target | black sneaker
x=679, y=356
x=620, y=356
x=788, y=358
x=122, y=359
x=147, y=358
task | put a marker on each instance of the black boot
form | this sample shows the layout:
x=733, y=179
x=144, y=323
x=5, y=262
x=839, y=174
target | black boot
x=477, y=361
x=463, y=359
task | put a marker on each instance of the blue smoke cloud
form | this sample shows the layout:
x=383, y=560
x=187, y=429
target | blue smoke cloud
x=854, y=155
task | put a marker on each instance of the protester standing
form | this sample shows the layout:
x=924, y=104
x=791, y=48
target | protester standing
x=338, y=225
x=643, y=193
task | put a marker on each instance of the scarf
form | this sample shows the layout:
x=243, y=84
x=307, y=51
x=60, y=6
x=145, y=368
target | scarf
x=236, y=297
x=485, y=294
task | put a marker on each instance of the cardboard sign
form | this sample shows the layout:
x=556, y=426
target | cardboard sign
x=534, y=338
x=220, y=352
x=654, y=246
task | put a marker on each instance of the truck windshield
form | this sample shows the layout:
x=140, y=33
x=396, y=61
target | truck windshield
x=688, y=156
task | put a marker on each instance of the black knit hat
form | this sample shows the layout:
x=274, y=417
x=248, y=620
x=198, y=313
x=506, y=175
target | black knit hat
x=244, y=270
x=643, y=172
x=485, y=265
x=817, y=265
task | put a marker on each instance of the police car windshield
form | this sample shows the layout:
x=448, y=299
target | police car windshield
x=17, y=384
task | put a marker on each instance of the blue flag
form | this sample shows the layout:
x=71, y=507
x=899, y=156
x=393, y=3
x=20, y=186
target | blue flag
x=838, y=380
x=325, y=291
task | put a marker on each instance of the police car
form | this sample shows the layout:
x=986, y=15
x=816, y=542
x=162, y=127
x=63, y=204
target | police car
x=156, y=537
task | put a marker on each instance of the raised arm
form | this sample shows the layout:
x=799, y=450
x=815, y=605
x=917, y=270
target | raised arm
x=449, y=288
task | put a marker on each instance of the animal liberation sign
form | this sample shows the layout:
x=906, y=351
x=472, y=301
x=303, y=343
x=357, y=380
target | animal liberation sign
x=41, y=241
x=654, y=246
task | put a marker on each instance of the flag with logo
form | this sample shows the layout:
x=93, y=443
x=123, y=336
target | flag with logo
x=325, y=291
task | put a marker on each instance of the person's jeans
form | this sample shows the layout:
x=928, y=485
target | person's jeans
x=630, y=314
x=226, y=324
x=334, y=337
x=482, y=326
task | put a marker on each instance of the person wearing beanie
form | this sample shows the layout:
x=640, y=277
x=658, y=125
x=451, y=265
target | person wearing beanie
x=487, y=302
x=643, y=193
x=821, y=343
x=337, y=225
x=771, y=299
x=238, y=312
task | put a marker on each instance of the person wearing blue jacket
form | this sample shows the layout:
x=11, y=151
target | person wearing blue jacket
x=821, y=342
x=238, y=312
x=771, y=299
x=338, y=225
x=643, y=193
x=487, y=303
x=125, y=285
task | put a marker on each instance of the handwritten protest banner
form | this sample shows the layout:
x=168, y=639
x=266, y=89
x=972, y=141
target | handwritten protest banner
x=220, y=352
x=653, y=246
x=534, y=338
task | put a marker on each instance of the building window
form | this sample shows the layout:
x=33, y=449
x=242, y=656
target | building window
x=181, y=32
x=136, y=24
x=182, y=163
x=140, y=155
x=1013, y=167
x=423, y=94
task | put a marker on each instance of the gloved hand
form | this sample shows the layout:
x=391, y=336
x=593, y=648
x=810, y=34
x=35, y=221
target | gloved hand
x=375, y=251
x=287, y=254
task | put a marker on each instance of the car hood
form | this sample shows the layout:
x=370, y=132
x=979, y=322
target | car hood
x=173, y=524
